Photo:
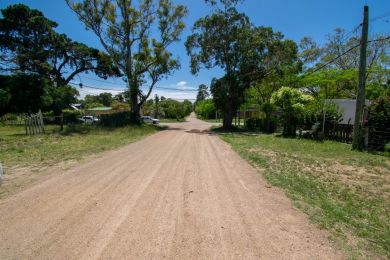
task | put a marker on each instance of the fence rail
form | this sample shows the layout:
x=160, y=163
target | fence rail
x=339, y=132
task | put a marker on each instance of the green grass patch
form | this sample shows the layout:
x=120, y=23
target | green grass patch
x=172, y=120
x=74, y=142
x=341, y=190
x=26, y=158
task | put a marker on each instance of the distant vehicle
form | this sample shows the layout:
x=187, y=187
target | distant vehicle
x=88, y=119
x=149, y=119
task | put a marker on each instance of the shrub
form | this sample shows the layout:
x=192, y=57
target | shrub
x=118, y=119
x=70, y=116
x=261, y=124
x=292, y=104
x=379, y=123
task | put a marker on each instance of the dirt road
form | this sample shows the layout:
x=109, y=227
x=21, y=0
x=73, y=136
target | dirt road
x=179, y=194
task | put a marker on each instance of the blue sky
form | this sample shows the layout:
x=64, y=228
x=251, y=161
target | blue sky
x=295, y=19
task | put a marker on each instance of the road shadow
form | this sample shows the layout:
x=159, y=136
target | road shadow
x=200, y=132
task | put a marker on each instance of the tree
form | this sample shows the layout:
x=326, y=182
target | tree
x=228, y=40
x=203, y=93
x=22, y=93
x=29, y=44
x=205, y=109
x=339, y=78
x=105, y=99
x=215, y=42
x=292, y=103
x=125, y=31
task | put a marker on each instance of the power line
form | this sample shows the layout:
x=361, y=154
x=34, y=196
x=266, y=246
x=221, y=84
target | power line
x=104, y=81
x=112, y=89
x=333, y=60
x=386, y=14
x=347, y=35
x=98, y=88
x=344, y=53
x=380, y=39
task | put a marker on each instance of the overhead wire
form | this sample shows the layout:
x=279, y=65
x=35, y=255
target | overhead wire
x=344, y=53
x=117, y=89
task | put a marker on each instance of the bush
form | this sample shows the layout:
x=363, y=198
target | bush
x=379, y=123
x=261, y=124
x=314, y=114
x=70, y=115
x=118, y=119
x=387, y=147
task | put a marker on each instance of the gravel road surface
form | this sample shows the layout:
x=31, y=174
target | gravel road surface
x=179, y=194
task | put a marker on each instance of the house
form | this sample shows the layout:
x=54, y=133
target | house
x=347, y=108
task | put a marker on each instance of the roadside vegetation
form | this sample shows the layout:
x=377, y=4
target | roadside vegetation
x=344, y=191
x=75, y=142
x=167, y=110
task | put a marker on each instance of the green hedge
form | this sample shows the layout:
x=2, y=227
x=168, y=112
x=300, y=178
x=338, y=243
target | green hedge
x=118, y=119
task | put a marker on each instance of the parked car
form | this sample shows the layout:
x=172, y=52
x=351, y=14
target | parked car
x=88, y=119
x=149, y=119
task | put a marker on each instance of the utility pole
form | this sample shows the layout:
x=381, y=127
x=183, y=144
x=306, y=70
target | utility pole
x=357, y=142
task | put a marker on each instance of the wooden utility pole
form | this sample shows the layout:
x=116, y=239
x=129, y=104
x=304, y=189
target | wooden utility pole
x=357, y=142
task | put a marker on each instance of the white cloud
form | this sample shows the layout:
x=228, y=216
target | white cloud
x=182, y=85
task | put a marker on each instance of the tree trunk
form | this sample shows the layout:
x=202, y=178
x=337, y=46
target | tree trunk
x=135, y=106
x=228, y=115
x=289, y=127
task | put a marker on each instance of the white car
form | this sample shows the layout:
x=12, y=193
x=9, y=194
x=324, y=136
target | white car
x=149, y=119
x=89, y=119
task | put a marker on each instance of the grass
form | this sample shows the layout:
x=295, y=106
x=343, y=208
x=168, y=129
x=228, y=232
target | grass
x=18, y=151
x=212, y=120
x=172, y=120
x=344, y=191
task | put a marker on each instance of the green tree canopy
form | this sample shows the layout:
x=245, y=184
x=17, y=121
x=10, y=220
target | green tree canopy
x=29, y=44
x=22, y=93
x=246, y=53
x=203, y=93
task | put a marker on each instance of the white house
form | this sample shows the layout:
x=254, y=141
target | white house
x=347, y=108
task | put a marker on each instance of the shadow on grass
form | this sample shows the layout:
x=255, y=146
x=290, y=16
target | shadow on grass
x=236, y=130
x=76, y=129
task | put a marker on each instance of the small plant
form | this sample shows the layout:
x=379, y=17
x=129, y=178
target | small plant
x=387, y=147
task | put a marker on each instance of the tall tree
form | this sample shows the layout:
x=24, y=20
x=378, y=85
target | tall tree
x=29, y=44
x=127, y=31
x=203, y=93
x=228, y=40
